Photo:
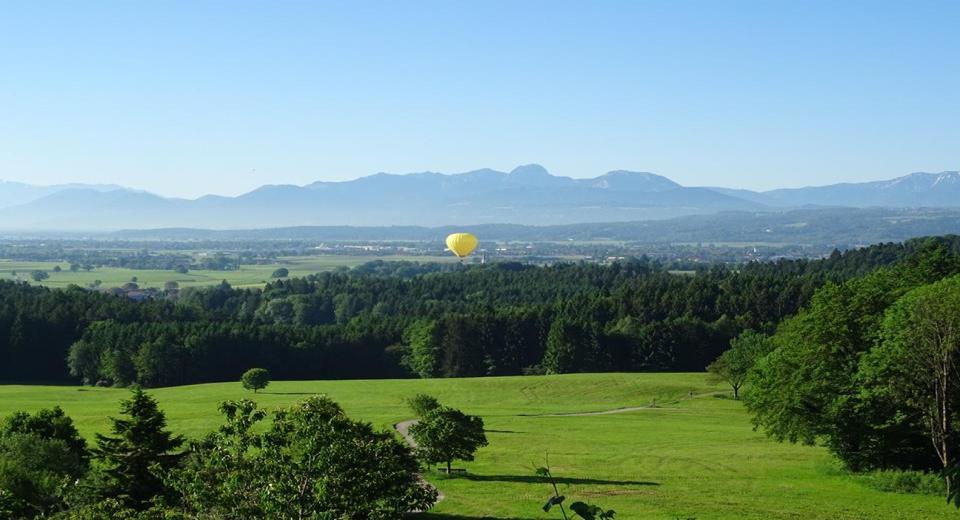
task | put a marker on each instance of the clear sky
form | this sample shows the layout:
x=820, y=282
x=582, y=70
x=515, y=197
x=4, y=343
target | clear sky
x=187, y=98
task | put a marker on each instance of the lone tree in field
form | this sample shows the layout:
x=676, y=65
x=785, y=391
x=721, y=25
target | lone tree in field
x=39, y=276
x=282, y=272
x=138, y=454
x=733, y=365
x=446, y=434
x=255, y=379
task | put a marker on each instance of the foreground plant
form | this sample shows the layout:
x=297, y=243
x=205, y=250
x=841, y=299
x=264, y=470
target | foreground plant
x=582, y=509
x=313, y=462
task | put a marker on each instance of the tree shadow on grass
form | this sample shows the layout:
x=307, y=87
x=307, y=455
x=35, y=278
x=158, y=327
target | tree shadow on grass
x=533, y=479
x=443, y=516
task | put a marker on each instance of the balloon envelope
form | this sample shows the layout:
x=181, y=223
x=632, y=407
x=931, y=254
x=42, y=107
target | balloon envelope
x=461, y=244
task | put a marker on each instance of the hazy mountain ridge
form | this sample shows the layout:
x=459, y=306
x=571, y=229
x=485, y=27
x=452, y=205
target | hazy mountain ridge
x=839, y=227
x=16, y=193
x=527, y=195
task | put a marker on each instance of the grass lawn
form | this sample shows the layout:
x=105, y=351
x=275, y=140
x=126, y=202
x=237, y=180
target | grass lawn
x=694, y=455
x=246, y=276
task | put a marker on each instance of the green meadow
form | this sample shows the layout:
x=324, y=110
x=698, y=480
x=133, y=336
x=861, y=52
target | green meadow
x=688, y=452
x=246, y=276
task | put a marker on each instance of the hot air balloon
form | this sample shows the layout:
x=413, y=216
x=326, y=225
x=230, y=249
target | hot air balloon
x=461, y=244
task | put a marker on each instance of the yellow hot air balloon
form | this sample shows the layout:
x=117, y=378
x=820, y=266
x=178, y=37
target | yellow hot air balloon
x=461, y=244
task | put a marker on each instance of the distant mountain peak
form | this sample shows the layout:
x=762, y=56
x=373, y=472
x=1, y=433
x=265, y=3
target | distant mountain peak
x=635, y=181
x=530, y=170
x=925, y=181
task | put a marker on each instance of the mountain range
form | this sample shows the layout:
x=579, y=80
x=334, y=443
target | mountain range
x=527, y=195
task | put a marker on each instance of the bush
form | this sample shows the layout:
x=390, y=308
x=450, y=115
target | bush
x=904, y=481
x=282, y=272
x=423, y=404
x=40, y=455
x=315, y=461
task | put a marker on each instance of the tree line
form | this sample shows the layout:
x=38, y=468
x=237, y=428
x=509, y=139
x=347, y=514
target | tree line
x=383, y=320
x=870, y=368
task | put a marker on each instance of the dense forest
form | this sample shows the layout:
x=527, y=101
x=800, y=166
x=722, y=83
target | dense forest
x=404, y=319
x=870, y=368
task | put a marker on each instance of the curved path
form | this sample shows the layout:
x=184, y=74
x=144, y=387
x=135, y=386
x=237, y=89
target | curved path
x=403, y=428
x=601, y=412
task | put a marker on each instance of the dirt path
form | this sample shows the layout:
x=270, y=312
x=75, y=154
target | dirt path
x=624, y=409
x=601, y=412
x=403, y=428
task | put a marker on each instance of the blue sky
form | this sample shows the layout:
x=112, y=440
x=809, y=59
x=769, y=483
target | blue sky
x=187, y=98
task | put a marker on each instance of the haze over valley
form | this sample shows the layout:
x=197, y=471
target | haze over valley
x=527, y=195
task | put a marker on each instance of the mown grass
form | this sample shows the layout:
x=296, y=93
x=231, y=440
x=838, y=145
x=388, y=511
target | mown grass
x=693, y=456
x=246, y=276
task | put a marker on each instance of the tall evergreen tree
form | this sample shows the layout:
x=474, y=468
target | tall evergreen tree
x=139, y=452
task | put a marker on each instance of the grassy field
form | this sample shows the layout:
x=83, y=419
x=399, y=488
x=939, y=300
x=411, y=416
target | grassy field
x=694, y=455
x=246, y=276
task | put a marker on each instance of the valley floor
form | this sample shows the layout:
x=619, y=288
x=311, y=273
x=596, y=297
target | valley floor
x=677, y=448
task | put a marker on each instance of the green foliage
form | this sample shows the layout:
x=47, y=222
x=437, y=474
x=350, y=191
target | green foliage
x=904, y=481
x=221, y=475
x=571, y=347
x=83, y=361
x=952, y=474
x=255, y=379
x=40, y=456
x=807, y=387
x=422, y=405
x=917, y=363
x=281, y=272
x=423, y=341
x=447, y=434
x=733, y=365
x=871, y=368
x=39, y=276
x=313, y=462
x=117, y=510
x=50, y=424
x=135, y=458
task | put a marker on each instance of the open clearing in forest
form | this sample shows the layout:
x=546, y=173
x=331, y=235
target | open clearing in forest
x=694, y=455
x=246, y=276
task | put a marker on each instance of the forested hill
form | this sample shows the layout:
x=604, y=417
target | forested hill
x=394, y=320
